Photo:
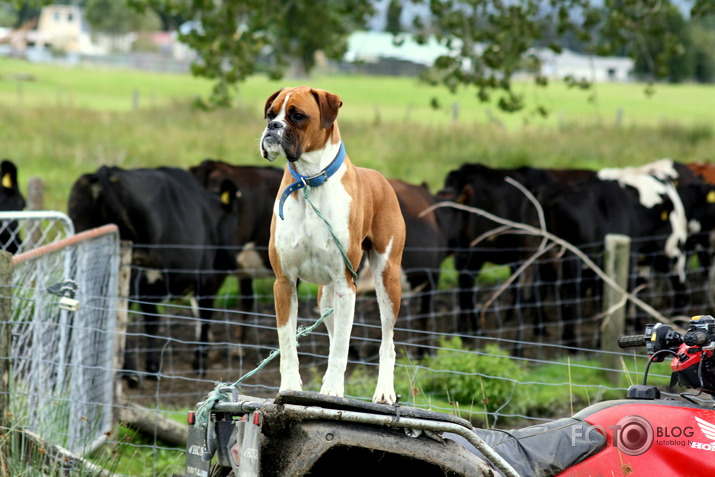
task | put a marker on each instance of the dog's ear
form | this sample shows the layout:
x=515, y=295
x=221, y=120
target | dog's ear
x=269, y=101
x=329, y=104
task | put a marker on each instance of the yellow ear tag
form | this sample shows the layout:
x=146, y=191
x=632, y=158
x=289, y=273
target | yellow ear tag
x=225, y=197
x=7, y=181
x=664, y=215
x=711, y=197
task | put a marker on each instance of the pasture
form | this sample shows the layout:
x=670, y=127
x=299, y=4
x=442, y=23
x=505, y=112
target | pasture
x=58, y=123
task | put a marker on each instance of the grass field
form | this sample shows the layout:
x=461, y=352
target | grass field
x=60, y=122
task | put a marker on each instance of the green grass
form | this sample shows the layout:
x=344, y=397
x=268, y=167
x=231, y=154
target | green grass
x=457, y=380
x=366, y=98
x=131, y=453
x=387, y=124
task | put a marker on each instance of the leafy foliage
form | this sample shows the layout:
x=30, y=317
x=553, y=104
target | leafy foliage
x=234, y=39
x=488, y=378
x=114, y=17
x=489, y=41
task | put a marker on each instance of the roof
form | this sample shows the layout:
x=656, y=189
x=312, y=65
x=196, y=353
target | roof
x=371, y=46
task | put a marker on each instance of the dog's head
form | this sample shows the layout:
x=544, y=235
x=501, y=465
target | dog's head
x=300, y=120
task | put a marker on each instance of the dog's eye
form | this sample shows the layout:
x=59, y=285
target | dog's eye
x=298, y=117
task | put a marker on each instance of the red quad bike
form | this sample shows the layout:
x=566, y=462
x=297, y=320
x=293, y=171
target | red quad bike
x=644, y=435
x=300, y=433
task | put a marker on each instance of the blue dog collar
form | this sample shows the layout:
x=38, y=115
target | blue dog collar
x=313, y=181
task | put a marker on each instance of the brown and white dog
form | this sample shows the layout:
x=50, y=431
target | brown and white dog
x=362, y=209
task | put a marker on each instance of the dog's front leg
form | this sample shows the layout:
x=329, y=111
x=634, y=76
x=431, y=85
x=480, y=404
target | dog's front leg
x=286, y=300
x=344, y=311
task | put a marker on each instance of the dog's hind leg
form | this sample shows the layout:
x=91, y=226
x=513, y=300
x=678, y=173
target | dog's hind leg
x=286, y=299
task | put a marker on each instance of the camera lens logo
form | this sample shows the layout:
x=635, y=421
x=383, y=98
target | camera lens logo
x=633, y=435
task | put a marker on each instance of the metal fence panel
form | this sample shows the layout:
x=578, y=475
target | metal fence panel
x=23, y=231
x=63, y=351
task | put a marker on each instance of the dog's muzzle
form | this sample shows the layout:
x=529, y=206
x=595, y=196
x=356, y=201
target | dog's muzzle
x=271, y=142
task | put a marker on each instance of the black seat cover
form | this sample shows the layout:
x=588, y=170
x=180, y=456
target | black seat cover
x=543, y=449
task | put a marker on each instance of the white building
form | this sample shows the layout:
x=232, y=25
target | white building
x=374, y=47
x=62, y=27
x=594, y=68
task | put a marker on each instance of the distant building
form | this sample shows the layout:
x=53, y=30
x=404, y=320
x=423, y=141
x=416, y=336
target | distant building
x=595, y=68
x=375, y=52
x=379, y=53
x=62, y=27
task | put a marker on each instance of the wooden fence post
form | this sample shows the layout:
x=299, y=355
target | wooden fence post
x=5, y=336
x=616, y=266
x=35, y=201
x=123, y=282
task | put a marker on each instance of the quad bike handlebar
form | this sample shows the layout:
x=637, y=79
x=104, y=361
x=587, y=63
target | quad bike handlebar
x=693, y=363
x=631, y=341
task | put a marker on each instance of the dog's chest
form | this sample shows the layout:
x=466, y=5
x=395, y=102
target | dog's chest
x=304, y=242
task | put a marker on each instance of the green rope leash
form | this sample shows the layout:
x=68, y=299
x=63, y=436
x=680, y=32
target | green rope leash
x=221, y=392
x=306, y=195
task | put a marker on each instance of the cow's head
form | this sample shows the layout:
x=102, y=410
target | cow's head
x=227, y=195
x=10, y=196
x=10, y=199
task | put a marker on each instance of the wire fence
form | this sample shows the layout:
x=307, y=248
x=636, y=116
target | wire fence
x=516, y=369
x=526, y=321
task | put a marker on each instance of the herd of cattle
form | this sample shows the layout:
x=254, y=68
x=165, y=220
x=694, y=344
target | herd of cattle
x=191, y=228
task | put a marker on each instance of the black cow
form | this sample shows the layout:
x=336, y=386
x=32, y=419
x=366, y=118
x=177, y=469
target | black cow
x=257, y=190
x=10, y=199
x=180, y=234
x=485, y=188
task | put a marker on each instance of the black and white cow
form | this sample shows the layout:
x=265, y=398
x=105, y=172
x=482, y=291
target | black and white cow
x=181, y=234
x=641, y=202
x=10, y=199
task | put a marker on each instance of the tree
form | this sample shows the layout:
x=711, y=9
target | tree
x=394, y=13
x=488, y=41
x=116, y=18
x=702, y=37
x=234, y=38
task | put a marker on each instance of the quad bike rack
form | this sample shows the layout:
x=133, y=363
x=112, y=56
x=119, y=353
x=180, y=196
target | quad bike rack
x=304, y=432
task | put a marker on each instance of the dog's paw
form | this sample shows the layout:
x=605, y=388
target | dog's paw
x=382, y=397
x=331, y=391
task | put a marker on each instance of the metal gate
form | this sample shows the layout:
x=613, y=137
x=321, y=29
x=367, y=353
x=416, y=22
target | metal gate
x=63, y=338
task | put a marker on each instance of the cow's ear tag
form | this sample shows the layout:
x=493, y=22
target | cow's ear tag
x=711, y=197
x=7, y=181
x=664, y=215
x=225, y=197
